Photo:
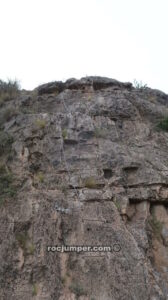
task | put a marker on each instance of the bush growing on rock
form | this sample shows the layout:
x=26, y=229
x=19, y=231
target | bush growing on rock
x=22, y=239
x=7, y=114
x=7, y=188
x=100, y=133
x=5, y=143
x=40, y=177
x=90, y=182
x=139, y=84
x=163, y=124
x=8, y=90
x=77, y=290
x=35, y=289
x=41, y=124
x=64, y=133
x=156, y=226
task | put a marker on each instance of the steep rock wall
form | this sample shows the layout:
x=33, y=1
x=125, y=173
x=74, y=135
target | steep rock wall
x=91, y=168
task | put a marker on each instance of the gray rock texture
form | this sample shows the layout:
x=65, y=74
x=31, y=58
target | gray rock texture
x=90, y=168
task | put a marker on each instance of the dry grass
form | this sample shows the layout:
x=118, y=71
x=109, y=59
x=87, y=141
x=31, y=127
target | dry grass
x=35, y=289
x=90, y=182
x=64, y=133
x=40, y=123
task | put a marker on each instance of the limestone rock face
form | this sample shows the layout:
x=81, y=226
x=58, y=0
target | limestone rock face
x=91, y=169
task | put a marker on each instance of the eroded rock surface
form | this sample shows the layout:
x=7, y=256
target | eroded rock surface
x=91, y=169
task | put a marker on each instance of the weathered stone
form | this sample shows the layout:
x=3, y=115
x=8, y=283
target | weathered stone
x=51, y=87
x=90, y=169
x=161, y=213
x=164, y=234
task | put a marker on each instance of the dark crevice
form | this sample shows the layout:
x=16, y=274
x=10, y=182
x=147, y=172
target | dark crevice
x=144, y=185
x=70, y=142
x=108, y=173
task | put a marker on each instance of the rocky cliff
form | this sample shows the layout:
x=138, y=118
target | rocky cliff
x=84, y=163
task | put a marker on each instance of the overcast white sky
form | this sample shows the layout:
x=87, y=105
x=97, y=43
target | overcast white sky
x=46, y=40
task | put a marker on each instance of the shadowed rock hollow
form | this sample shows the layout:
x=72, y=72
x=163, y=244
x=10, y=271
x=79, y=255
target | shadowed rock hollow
x=89, y=167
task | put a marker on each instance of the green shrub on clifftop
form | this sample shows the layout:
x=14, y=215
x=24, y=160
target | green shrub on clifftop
x=8, y=90
x=139, y=84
